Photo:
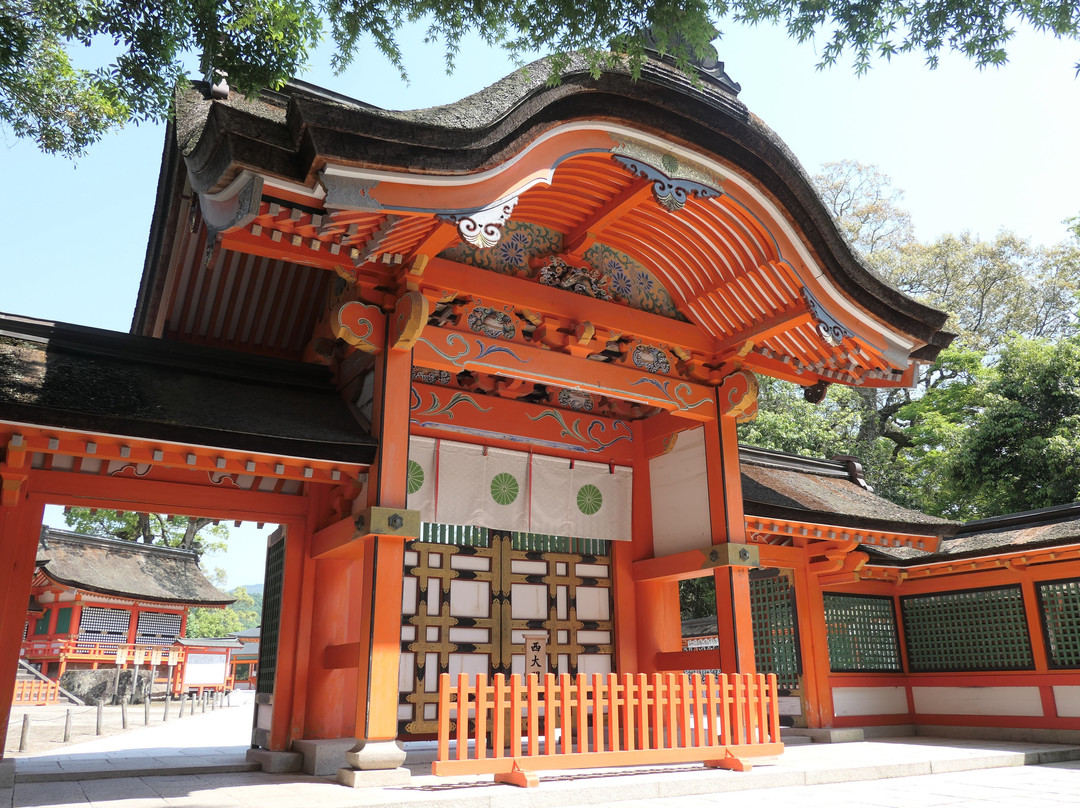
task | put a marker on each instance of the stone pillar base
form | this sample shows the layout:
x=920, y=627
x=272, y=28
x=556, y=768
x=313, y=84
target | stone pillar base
x=276, y=762
x=374, y=763
x=369, y=778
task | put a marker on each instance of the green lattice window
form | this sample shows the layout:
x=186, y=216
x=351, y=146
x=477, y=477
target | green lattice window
x=1060, y=605
x=862, y=633
x=973, y=630
x=42, y=624
x=776, y=635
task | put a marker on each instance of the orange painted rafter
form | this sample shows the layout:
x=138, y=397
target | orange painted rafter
x=196, y=458
x=762, y=530
x=582, y=237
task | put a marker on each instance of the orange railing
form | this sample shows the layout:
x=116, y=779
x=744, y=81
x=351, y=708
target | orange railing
x=520, y=725
x=36, y=691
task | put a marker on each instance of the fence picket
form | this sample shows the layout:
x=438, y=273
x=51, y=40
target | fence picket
x=632, y=719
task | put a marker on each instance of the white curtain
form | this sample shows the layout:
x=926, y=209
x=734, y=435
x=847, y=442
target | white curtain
x=467, y=484
x=600, y=501
x=421, y=485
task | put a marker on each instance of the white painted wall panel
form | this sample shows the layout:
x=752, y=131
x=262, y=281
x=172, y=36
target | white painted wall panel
x=869, y=700
x=680, y=496
x=977, y=700
x=1067, y=698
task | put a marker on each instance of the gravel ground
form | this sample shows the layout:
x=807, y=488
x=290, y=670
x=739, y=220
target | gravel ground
x=46, y=735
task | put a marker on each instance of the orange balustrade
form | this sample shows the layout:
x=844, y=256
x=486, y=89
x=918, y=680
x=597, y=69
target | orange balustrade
x=35, y=691
x=521, y=725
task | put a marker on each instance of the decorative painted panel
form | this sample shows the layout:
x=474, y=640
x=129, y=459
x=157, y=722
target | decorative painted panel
x=525, y=252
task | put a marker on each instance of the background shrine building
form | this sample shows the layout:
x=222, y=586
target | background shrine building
x=484, y=364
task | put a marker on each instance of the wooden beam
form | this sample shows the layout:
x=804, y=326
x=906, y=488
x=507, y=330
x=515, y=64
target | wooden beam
x=446, y=349
x=494, y=289
x=124, y=493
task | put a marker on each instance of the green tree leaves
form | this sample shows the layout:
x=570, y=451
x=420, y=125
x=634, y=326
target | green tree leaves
x=187, y=533
x=263, y=43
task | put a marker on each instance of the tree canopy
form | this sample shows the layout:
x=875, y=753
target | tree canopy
x=187, y=533
x=48, y=96
x=1014, y=307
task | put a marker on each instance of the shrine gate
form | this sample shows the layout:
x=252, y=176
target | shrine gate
x=483, y=362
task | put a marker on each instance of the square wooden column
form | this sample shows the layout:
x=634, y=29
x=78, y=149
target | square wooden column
x=377, y=579
x=20, y=529
x=735, y=398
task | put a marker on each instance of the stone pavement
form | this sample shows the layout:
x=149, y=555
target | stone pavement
x=183, y=769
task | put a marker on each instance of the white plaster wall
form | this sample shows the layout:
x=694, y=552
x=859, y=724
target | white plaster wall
x=680, y=496
x=977, y=700
x=869, y=701
x=1067, y=699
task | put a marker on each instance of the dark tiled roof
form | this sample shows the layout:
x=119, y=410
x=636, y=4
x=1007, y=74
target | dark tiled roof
x=126, y=569
x=255, y=631
x=786, y=486
x=75, y=377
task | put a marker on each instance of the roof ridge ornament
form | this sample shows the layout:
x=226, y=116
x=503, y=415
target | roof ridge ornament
x=707, y=64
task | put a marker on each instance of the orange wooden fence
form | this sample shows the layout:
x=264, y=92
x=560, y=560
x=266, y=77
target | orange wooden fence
x=514, y=726
x=35, y=691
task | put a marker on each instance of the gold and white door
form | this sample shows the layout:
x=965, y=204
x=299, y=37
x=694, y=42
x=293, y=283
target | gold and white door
x=470, y=595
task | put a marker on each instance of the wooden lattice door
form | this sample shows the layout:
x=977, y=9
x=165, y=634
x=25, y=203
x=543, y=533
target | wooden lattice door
x=470, y=595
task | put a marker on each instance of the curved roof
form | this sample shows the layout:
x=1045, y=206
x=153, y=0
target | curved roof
x=694, y=198
x=126, y=569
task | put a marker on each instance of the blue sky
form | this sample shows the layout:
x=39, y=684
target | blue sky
x=973, y=150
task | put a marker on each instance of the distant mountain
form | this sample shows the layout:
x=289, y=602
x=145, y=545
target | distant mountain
x=254, y=589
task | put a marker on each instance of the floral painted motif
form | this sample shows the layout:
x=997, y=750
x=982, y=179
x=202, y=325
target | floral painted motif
x=415, y=480
x=589, y=499
x=504, y=488
x=631, y=283
x=611, y=275
x=575, y=400
x=495, y=324
x=651, y=359
x=520, y=242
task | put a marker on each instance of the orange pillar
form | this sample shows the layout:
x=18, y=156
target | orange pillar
x=814, y=640
x=735, y=624
x=377, y=581
x=20, y=528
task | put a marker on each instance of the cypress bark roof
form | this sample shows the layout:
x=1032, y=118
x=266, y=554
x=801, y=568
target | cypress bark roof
x=126, y=569
x=787, y=486
x=76, y=377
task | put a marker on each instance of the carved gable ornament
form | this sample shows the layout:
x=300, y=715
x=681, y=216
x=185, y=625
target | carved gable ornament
x=674, y=180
